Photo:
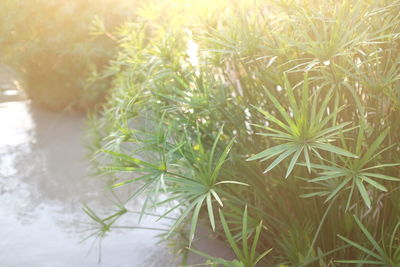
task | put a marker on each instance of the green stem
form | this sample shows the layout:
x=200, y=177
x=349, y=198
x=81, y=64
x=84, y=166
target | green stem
x=319, y=228
x=177, y=175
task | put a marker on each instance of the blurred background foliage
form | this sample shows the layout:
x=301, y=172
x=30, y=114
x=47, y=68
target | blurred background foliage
x=50, y=44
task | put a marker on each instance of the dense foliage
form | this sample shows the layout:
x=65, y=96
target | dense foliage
x=275, y=121
x=49, y=43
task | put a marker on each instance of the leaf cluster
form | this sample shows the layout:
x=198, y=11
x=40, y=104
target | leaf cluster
x=306, y=90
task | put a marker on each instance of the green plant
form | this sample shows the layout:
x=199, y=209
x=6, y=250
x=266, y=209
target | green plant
x=309, y=86
x=385, y=255
x=306, y=132
x=246, y=257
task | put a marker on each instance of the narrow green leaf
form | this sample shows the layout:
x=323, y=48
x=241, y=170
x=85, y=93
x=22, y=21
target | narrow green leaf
x=326, y=177
x=305, y=96
x=270, y=152
x=229, y=236
x=381, y=176
x=363, y=193
x=334, y=149
x=210, y=211
x=199, y=202
x=374, y=183
x=132, y=159
x=187, y=210
x=281, y=157
x=144, y=177
x=232, y=182
x=272, y=118
x=210, y=163
x=307, y=158
x=370, y=237
x=217, y=198
x=255, y=241
x=372, y=148
x=262, y=256
x=369, y=252
x=294, y=160
x=221, y=161
x=280, y=108
x=337, y=189
x=381, y=166
x=245, y=248
x=314, y=194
